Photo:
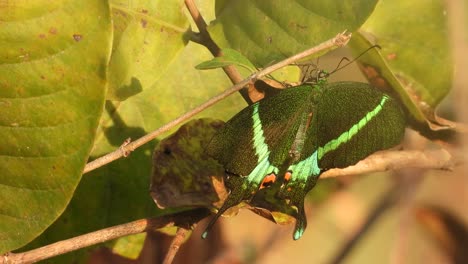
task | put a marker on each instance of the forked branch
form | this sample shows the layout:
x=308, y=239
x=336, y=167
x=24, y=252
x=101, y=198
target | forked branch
x=181, y=219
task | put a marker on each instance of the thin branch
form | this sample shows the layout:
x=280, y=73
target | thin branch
x=386, y=202
x=175, y=245
x=205, y=39
x=184, y=219
x=410, y=181
x=406, y=183
x=392, y=160
x=338, y=41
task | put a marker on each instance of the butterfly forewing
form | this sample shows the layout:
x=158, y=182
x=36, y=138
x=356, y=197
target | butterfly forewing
x=236, y=147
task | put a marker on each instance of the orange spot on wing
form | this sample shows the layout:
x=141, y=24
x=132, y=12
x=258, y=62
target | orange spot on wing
x=268, y=180
x=287, y=176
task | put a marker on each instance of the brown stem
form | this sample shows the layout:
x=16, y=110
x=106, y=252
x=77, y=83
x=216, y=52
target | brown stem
x=175, y=245
x=184, y=219
x=387, y=201
x=205, y=39
x=405, y=184
x=391, y=160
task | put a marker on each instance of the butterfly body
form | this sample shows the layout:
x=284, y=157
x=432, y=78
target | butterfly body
x=286, y=141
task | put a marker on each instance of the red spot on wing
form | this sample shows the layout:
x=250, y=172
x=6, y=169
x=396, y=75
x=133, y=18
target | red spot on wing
x=268, y=180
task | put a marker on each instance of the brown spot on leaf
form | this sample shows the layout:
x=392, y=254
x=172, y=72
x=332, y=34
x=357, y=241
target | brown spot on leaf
x=298, y=26
x=391, y=56
x=42, y=36
x=375, y=77
x=143, y=23
x=53, y=30
x=77, y=37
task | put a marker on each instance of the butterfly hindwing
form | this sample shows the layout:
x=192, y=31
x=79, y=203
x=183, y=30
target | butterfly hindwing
x=344, y=138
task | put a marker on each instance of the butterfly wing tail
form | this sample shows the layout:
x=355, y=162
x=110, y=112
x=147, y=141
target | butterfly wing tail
x=301, y=221
x=296, y=192
x=237, y=195
x=213, y=221
x=296, y=195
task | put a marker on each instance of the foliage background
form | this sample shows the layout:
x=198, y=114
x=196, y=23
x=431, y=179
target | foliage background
x=149, y=88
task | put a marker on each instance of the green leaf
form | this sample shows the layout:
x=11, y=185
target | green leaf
x=382, y=77
x=129, y=246
x=141, y=32
x=230, y=57
x=118, y=192
x=53, y=59
x=179, y=89
x=268, y=31
x=111, y=195
x=415, y=59
x=416, y=47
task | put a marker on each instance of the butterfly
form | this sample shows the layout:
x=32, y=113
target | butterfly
x=286, y=141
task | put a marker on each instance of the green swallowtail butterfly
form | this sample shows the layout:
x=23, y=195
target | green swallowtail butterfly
x=289, y=139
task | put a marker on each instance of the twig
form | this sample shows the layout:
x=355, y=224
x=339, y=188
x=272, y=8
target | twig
x=93, y=238
x=387, y=201
x=405, y=183
x=179, y=238
x=411, y=180
x=338, y=41
x=205, y=39
x=391, y=160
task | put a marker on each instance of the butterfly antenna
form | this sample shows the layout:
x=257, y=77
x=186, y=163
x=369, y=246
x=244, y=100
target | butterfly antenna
x=339, y=64
x=355, y=59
